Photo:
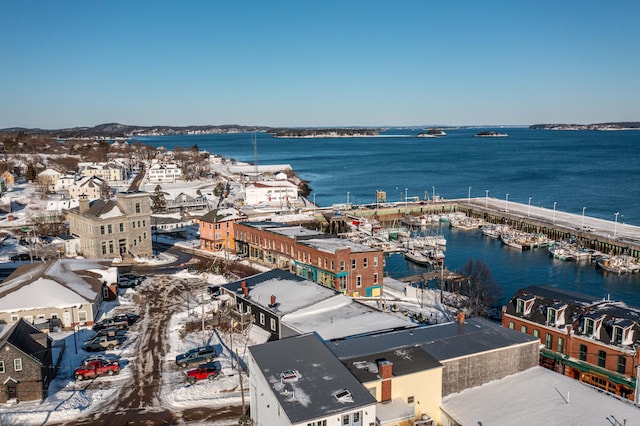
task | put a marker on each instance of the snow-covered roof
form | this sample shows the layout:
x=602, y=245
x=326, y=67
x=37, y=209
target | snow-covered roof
x=537, y=396
x=341, y=316
x=331, y=245
x=261, y=168
x=42, y=293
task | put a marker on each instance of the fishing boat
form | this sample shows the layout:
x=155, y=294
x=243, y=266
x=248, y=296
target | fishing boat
x=491, y=134
x=417, y=257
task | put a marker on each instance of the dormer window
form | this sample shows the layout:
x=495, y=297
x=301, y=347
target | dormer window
x=520, y=306
x=589, y=326
x=551, y=316
x=617, y=335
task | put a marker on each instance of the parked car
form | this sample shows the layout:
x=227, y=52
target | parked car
x=192, y=356
x=101, y=343
x=99, y=357
x=111, y=322
x=96, y=368
x=129, y=317
x=214, y=290
x=204, y=371
x=112, y=332
x=129, y=281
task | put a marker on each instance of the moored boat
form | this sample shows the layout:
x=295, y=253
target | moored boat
x=491, y=134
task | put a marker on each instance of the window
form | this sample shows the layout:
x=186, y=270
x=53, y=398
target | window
x=354, y=263
x=343, y=283
x=583, y=353
x=561, y=345
x=109, y=229
x=523, y=329
x=622, y=364
x=104, y=248
x=1, y=366
x=536, y=333
x=512, y=325
x=137, y=207
x=375, y=278
x=358, y=281
x=548, y=341
x=345, y=419
x=602, y=358
x=617, y=335
x=17, y=364
x=261, y=318
x=332, y=265
x=520, y=306
x=551, y=316
x=375, y=260
x=365, y=263
x=273, y=324
x=588, y=326
x=82, y=316
x=14, y=318
x=101, y=229
x=342, y=265
x=356, y=416
x=121, y=227
x=410, y=400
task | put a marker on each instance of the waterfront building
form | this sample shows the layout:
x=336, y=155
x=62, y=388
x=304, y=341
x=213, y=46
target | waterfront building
x=115, y=228
x=271, y=193
x=352, y=268
x=593, y=341
x=160, y=172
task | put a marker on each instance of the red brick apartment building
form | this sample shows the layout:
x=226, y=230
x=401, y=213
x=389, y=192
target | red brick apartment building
x=593, y=341
x=355, y=269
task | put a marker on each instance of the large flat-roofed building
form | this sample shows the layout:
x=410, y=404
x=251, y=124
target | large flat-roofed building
x=472, y=352
x=352, y=268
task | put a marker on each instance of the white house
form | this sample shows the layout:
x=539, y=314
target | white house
x=70, y=290
x=111, y=171
x=163, y=172
x=312, y=388
x=90, y=187
x=273, y=193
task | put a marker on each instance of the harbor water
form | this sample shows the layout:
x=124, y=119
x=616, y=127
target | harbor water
x=594, y=172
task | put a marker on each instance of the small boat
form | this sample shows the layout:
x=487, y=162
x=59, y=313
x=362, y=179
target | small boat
x=432, y=133
x=417, y=258
x=491, y=134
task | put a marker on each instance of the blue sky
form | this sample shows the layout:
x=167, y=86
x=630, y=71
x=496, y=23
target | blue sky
x=318, y=63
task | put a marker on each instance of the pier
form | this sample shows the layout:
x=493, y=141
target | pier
x=607, y=236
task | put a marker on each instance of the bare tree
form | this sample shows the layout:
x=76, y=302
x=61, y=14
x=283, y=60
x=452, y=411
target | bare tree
x=481, y=290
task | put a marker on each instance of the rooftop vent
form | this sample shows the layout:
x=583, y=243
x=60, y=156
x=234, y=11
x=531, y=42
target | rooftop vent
x=343, y=396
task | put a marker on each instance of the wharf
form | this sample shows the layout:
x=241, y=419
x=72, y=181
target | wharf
x=607, y=236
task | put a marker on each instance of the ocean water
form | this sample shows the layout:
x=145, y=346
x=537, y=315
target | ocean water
x=596, y=170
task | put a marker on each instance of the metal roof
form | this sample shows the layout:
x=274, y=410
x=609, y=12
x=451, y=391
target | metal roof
x=312, y=394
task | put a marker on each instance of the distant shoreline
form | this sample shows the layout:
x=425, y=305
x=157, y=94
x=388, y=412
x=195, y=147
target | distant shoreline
x=597, y=126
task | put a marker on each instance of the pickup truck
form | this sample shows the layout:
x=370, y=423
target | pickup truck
x=202, y=353
x=96, y=368
x=101, y=343
x=204, y=371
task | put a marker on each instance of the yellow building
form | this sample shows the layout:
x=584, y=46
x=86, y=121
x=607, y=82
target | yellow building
x=406, y=382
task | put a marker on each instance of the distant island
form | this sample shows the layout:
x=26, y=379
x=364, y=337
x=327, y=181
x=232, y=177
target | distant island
x=628, y=125
x=490, y=134
x=324, y=133
x=125, y=131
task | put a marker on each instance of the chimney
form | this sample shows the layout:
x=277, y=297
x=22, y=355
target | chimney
x=273, y=300
x=84, y=203
x=460, y=317
x=386, y=372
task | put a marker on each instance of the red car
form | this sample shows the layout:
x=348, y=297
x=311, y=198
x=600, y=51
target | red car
x=98, y=367
x=204, y=371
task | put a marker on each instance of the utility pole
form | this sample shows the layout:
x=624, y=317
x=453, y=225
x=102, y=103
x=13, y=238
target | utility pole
x=241, y=387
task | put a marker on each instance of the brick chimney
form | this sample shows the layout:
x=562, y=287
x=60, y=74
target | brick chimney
x=245, y=290
x=385, y=368
x=83, y=203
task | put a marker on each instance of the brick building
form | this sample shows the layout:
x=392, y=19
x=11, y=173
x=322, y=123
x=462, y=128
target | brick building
x=217, y=230
x=590, y=340
x=355, y=269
